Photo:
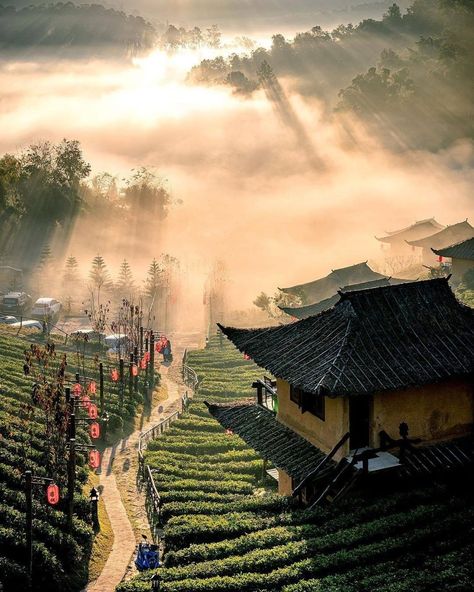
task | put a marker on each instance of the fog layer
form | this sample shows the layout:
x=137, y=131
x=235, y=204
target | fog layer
x=249, y=193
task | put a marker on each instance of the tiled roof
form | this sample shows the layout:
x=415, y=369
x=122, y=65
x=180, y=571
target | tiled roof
x=418, y=230
x=326, y=287
x=461, y=250
x=372, y=340
x=303, y=312
x=447, y=236
x=438, y=458
x=274, y=441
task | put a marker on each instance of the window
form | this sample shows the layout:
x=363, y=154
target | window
x=315, y=404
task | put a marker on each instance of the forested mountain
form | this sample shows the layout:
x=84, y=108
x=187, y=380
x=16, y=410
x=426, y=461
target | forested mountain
x=389, y=70
x=88, y=26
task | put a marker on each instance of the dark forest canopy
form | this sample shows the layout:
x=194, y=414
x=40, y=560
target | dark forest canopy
x=45, y=190
x=72, y=26
x=408, y=74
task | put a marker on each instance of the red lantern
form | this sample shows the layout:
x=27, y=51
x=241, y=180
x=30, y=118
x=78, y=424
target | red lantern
x=440, y=259
x=77, y=389
x=143, y=364
x=246, y=357
x=147, y=356
x=94, y=430
x=134, y=370
x=92, y=387
x=52, y=494
x=114, y=375
x=92, y=411
x=94, y=459
x=85, y=401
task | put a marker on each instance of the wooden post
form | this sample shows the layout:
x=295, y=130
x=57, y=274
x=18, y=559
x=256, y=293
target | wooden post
x=152, y=359
x=259, y=394
x=29, y=527
x=122, y=380
x=365, y=464
x=147, y=349
x=72, y=425
x=130, y=376
x=135, y=361
x=101, y=387
x=71, y=479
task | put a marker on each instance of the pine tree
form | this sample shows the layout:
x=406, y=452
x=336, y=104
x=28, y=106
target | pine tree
x=71, y=271
x=153, y=280
x=99, y=274
x=46, y=258
x=125, y=282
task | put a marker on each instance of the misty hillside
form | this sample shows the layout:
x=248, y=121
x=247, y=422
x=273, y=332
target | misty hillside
x=386, y=71
x=72, y=26
x=247, y=15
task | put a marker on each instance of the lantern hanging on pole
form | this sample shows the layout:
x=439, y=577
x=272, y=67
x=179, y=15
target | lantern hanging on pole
x=134, y=370
x=114, y=375
x=52, y=494
x=92, y=411
x=143, y=364
x=92, y=387
x=147, y=356
x=94, y=430
x=85, y=401
x=94, y=459
x=440, y=259
x=77, y=390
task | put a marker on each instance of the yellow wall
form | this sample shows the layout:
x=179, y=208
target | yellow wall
x=459, y=268
x=323, y=434
x=432, y=412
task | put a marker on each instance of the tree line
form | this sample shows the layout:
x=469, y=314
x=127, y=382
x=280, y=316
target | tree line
x=406, y=75
x=73, y=26
x=94, y=28
x=46, y=192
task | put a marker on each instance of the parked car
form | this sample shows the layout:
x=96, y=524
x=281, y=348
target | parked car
x=116, y=343
x=46, y=308
x=7, y=320
x=28, y=324
x=16, y=302
x=88, y=335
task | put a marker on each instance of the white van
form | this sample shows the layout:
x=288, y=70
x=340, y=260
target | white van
x=116, y=344
x=46, y=308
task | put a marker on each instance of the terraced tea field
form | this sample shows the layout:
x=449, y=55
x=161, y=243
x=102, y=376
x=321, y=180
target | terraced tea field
x=59, y=557
x=225, y=531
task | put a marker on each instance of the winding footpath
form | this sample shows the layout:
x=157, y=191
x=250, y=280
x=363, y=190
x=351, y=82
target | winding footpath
x=120, y=558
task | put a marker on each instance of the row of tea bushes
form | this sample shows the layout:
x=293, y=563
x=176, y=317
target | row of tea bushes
x=56, y=553
x=218, y=541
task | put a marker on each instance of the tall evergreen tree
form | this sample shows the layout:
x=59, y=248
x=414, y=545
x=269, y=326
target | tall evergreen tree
x=99, y=275
x=152, y=282
x=125, y=282
x=71, y=271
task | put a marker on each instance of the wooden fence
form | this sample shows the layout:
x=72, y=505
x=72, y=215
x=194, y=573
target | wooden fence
x=145, y=474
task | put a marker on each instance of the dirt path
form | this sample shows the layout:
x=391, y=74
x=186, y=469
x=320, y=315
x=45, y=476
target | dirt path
x=125, y=504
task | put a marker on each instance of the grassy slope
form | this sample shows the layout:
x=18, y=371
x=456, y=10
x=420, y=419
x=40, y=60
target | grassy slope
x=221, y=536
